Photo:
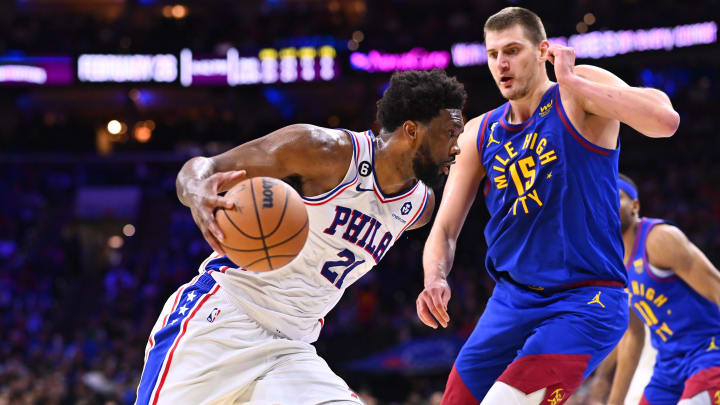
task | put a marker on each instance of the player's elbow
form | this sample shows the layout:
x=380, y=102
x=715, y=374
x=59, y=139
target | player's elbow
x=669, y=121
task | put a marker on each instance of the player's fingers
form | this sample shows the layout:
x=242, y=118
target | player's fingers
x=445, y=295
x=438, y=311
x=212, y=226
x=232, y=176
x=215, y=201
x=214, y=244
x=424, y=315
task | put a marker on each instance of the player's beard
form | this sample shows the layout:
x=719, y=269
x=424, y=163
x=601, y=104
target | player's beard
x=625, y=222
x=519, y=93
x=425, y=169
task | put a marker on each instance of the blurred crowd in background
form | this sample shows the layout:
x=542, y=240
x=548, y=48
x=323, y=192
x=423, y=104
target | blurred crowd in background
x=82, y=279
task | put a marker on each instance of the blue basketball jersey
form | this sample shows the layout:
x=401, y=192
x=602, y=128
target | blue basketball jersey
x=553, y=200
x=681, y=321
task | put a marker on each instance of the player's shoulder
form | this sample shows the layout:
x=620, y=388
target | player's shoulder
x=319, y=142
x=664, y=243
x=473, y=125
x=664, y=232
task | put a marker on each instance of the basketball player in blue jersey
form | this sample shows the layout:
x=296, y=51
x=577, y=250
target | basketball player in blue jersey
x=675, y=291
x=233, y=336
x=546, y=162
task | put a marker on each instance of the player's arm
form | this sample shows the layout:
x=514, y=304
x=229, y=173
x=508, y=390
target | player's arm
x=427, y=214
x=648, y=111
x=460, y=190
x=628, y=355
x=296, y=150
x=669, y=248
x=602, y=379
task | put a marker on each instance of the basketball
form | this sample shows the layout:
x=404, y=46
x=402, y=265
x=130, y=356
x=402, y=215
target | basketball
x=268, y=226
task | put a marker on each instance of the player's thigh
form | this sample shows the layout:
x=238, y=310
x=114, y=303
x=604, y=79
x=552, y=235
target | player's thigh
x=170, y=304
x=565, y=348
x=493, y=344
x=208, y=352
x=301, y=378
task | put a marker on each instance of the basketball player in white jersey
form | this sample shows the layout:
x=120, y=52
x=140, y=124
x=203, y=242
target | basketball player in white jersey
x=233, y=336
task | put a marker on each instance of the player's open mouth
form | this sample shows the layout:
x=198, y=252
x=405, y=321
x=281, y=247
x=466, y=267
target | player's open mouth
x=506, y=80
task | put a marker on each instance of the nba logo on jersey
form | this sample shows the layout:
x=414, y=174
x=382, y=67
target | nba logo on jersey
x=213, y=315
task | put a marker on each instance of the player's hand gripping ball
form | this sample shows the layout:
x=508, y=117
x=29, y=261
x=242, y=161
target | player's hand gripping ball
x=268, y=226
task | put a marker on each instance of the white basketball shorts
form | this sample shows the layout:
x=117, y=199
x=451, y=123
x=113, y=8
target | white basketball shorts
x=205, y=350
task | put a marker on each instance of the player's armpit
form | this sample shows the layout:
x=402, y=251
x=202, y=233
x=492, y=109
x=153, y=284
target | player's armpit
x=428, y=213
x=669, y=248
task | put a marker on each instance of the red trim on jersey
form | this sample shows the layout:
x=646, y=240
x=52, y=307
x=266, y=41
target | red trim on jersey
x=151, y=342
x=636, y=243
x=380, y=197
x=422, y=208
x=646, y=261
x=177, y=340
x=457, y=392
x=588, y=283
x=333, y=195
x=376, y=187
x=177, y=297
x=322, y=323
x=214, y=255
x=356, y=147
x=481, y=138
x=561, y=374
x=643, y=400
x=507, y=126
x=583, y=141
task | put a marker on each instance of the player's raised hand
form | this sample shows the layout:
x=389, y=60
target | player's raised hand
x=563, y=59
x=432, y=302
x=204, y=200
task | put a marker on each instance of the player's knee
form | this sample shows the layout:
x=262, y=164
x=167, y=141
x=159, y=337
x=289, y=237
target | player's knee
x=702, y=398
x=501, y=393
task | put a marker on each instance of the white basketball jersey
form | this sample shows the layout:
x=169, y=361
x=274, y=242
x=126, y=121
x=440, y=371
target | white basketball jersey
x=351, y=229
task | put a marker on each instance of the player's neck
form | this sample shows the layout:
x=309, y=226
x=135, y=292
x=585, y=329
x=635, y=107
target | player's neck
x=521, y=109
x=394, y=174
x=629, y=238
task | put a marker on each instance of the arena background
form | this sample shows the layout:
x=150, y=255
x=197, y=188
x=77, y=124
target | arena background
x=101, y=101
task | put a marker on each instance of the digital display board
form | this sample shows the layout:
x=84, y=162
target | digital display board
x=40, y=70
x=287, y=65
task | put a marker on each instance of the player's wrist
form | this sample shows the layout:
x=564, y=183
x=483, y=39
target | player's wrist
x=439, y=277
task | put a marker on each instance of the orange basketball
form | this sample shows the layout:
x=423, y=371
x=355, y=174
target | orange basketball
x=268, y=226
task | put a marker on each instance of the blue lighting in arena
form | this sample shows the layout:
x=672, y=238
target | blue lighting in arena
x=381, y=89
x=146, y=97
x=648, y=79
x=278, y=99
x=23, y=102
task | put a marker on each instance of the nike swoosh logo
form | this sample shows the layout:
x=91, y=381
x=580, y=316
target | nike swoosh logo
x=358, y=188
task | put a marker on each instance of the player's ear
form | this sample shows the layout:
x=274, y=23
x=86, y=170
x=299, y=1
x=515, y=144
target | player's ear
x=543, y=47
x=636, y=207
x=410, y=128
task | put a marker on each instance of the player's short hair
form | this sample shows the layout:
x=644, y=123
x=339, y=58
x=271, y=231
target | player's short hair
x=418, y=96
x=628, y=179
x=510, y=16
